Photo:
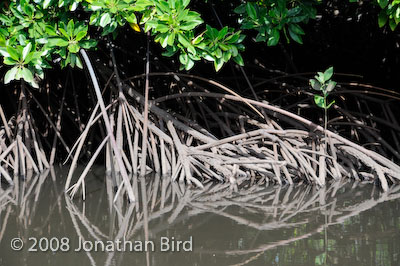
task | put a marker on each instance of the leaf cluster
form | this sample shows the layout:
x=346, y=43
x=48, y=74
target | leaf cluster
x=274, y=18
x=36, y=33
x=322, y=82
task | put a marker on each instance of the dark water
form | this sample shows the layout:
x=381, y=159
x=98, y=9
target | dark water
x=345, y=223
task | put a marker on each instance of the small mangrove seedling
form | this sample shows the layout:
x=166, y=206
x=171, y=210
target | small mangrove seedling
x=322, y=82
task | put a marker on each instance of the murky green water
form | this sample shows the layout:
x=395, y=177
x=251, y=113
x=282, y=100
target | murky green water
x=346, y=223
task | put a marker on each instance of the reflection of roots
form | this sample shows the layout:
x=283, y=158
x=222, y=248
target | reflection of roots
x=163, y=206
x=21, y=150
x=255, y=148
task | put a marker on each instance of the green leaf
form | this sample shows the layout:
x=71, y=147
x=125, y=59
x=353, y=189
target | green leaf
x=13, y=52
x=105, y=20
x=331, y=86
x=222, y=33
x=62, y=42
x=182, y=39
x=191, y=49
x=240, y=9
x=296, y=29
x=171, y=39
x=63, y=32
x=73, y=6
x=73, y=48
x=383, y=3
x=328, y=74
x=29, y=58
x=183, y=58
x=296, y=37
x=9, y=61
x=189, y=64
x=320, y=77
x=274, y=38
x=185, y=3
x=3, y=52
x=26, y=51
x=10, y=75
x=28, y=9
x=163, y=6
x=18, y=76
x=319, y=101
x=50, y=30
x=70, y=28
x=218, y=63
x=189, y=25
x=164, y=41
x=208, y=57
x=73, y=59
x=27, y=74
x=79, y=62
x=131, y=18
x=80, y=35
x=238, y=60
x=392, y=24
x=88, y=44
x=382, y=18
x=46, y=3
x=227, y=56
x=251, y=11
x=57, y=42
x=315, y=84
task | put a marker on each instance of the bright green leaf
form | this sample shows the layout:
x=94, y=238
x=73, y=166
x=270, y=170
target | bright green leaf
x=3, y=52
x=218, y=63
x=26, y=50
x=251, y=11
x=105, y=20
x=27, y=74
x=319, y=101
x=328, y=74
x=70, y=28
x=10, y=75
x=46, y=3
x=238, y=60
x=182, y=39
x=13, y=53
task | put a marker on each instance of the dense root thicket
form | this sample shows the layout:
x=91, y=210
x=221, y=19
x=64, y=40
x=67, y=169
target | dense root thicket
x=21, y=149
x=254, y=144
x=194, y=135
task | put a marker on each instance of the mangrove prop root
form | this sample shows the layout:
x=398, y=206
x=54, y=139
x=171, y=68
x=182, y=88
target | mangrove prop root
x=21, y=150
x=267, y=153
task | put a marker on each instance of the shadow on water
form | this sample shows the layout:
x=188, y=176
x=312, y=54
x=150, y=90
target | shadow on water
x=345, y=223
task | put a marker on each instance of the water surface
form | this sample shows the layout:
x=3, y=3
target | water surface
x=346, y=223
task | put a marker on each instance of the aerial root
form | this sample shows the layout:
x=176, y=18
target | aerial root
x=21, y=149
x=186, y=152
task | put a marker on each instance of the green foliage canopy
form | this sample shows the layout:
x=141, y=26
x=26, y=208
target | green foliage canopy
x=34, y=34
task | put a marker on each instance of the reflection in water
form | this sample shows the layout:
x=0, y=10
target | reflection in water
x=345, y=223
